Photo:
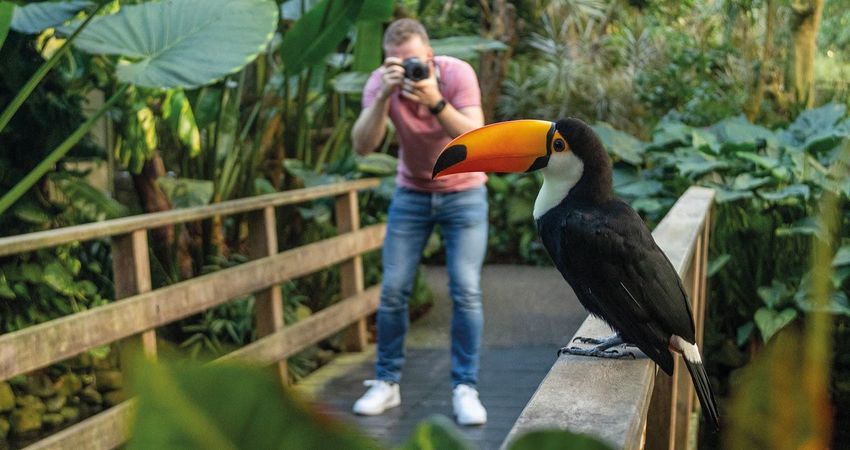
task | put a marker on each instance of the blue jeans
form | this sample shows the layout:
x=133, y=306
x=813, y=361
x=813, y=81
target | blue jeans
x=462, y=217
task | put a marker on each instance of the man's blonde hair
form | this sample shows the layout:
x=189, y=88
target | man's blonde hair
x=402, y=30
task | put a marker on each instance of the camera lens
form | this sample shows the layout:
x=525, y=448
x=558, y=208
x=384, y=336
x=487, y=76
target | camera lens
x=414, y=69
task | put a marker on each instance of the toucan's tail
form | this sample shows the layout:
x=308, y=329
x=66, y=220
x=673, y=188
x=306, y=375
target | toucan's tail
x=703, y=388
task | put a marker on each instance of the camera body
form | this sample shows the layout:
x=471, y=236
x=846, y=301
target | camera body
x=415, y=69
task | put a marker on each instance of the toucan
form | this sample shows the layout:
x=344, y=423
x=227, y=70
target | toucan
x=597, y=241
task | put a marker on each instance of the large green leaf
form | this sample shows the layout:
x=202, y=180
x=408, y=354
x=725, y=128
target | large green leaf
x=6, y=9
x=228, y=407
x=737, y=134
x=317, y=33
x=817, y=130
x=182, y=43
x=465, y=47
x=36, y=17
x=623, y=145
x=367, y=49
x=556, y=440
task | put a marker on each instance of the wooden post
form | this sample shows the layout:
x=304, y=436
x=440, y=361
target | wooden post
x=351, y=271
x=660, y=416
x=131, y=270
x=268, y=303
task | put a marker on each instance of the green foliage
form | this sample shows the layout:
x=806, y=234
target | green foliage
x=437, y=432
x=39, y=16
x=51, y=283
x=173, y=50
x=5, y=20
x=188, y=407
x=557, y=439
x=324, y=26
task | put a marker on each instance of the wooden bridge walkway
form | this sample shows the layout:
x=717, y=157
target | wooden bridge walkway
x=529, y=312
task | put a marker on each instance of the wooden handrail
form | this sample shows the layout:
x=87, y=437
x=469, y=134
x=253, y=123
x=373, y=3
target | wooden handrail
x=50, y=342
x=139, y=310
x=631, y=404
x=23, y=243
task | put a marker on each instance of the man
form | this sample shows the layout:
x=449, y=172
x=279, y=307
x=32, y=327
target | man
x=427, y=114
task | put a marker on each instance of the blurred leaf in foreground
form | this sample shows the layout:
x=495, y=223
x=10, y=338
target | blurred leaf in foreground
x=228, y=407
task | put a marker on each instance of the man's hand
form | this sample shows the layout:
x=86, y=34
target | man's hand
x=392, y=77
x=426, y=92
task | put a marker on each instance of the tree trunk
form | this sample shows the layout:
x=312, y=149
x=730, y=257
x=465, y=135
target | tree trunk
x=766, y=66
x=153, y=199
x=500, y=24
x=805, y=27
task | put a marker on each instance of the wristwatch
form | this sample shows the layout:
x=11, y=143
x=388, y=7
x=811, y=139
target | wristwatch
x=438, y=107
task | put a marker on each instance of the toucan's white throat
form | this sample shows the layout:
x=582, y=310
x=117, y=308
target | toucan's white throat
x=559, y=176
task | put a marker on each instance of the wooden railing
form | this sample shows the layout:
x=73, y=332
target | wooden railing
x=144, y=309
x=631, y=404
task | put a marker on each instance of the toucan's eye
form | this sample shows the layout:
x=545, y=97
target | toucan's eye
x=559, y=145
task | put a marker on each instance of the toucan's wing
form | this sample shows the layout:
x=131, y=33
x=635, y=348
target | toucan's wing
x=621, y=275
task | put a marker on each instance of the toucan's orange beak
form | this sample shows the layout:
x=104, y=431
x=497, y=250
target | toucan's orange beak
x=514, y=146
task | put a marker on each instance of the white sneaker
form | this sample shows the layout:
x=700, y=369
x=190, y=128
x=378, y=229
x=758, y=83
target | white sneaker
x=380, y=397
x=468, y=409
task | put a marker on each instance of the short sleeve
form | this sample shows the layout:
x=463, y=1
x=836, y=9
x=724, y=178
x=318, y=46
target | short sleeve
x=465, y=91
x=372, y=88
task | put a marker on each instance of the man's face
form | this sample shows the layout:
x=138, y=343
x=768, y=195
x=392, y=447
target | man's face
x=412, y=48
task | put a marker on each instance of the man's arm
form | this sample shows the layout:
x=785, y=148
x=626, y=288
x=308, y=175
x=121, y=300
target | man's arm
x=371, y=125
x=459, y=121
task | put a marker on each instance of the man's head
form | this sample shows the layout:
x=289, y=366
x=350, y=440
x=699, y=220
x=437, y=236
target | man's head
x=407, y=38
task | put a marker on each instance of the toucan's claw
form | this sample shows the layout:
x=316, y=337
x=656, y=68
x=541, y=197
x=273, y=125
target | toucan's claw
x=596, y=352
x=601, y=344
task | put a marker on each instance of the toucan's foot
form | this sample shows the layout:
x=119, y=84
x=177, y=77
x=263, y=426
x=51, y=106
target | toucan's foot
x=604, y=349
x=602, y=344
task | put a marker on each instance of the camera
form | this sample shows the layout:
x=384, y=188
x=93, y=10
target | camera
x=414, y=69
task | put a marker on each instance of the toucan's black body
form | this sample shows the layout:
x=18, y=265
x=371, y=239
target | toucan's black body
x=618, y=273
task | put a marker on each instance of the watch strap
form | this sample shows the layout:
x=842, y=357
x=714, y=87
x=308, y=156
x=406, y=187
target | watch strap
x=436, y=109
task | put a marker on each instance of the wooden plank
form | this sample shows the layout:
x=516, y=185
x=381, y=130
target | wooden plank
x=49, y=342
x=32, y=241
x=351, y=271
x=104, y=431
x=268, y=303
x=610, y=399
x=131, y=270
x=294, y=338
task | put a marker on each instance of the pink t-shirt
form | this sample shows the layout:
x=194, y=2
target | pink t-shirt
x=420, y=135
